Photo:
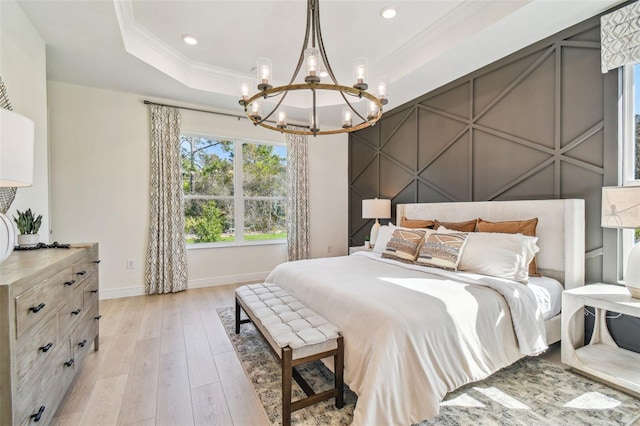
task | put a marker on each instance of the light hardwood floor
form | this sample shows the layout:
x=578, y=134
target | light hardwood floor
x=167, y=360
x=163, y=360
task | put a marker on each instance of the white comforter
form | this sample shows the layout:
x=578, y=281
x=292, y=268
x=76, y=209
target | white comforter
x=412, y=333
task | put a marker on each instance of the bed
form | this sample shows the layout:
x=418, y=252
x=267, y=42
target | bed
x=413, y=333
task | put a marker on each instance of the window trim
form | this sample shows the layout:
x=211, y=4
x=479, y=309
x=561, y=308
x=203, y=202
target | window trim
x=238, y=196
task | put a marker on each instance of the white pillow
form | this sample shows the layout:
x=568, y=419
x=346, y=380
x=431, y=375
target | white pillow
x=498, y=255
x=384, y=236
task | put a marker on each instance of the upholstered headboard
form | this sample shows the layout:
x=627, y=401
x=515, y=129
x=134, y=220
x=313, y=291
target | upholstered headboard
x=560, y=228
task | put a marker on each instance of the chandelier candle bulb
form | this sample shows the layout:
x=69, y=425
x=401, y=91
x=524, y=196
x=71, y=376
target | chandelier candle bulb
x=383, y=89
x=360, y=73
x=244, y=90
x=255, y=111
x=346, y=117
x=312, y=55
x=282, y=120
x=264, y=73
x=373, y=111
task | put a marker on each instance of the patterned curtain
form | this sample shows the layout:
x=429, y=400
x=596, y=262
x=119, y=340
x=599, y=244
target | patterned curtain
x=297, y=197
x=166, y=268
x=620, y=37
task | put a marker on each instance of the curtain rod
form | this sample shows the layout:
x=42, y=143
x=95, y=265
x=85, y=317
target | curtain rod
x=226, y=114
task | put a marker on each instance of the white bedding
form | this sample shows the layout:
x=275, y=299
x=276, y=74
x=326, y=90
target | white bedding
x=412, y=336
x=548, y=293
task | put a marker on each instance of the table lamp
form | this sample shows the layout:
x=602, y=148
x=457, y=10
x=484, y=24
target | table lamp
x=16, y=166
x=621, y=210
x=376, y=209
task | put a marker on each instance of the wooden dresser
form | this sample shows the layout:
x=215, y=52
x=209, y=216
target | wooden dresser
x=49, y=314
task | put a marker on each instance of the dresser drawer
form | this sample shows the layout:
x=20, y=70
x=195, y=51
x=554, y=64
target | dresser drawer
x=83, y=336
x=70, y=314
x=90, y=292
x=48, y=390
x=34, y=354
x=40, y=302
x=85, y=267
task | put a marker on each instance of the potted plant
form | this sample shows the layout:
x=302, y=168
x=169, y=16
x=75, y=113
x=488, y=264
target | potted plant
x=28, y=225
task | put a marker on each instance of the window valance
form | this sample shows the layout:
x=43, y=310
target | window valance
x=620, y=37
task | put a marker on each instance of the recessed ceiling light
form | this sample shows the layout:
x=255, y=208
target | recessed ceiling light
x=189, y=39
x=388, y=12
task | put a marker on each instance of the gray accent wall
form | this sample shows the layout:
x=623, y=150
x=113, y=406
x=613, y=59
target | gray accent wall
x=541, y=123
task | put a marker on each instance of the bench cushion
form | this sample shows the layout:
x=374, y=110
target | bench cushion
x=284, y=321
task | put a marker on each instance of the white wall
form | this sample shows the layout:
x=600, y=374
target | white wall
x=23, y=70
x=99, y=188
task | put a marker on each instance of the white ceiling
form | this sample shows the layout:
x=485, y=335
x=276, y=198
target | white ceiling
x=136, y=46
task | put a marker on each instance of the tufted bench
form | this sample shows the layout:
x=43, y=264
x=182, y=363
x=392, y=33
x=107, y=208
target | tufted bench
x=297, y=335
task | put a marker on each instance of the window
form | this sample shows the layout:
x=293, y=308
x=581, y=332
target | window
x=234, y=190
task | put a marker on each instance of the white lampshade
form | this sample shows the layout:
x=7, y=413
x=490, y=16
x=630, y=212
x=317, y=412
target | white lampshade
x=16, y=149
x=621, y=207
x=376, y=209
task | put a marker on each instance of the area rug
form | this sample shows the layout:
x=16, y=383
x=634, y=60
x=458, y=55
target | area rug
x=532, y=391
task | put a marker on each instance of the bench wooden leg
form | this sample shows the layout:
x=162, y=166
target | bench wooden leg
x=338, y=365
x=287, y=373
x=237, y=317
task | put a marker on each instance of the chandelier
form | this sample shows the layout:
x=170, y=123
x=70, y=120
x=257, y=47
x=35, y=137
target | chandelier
x=314, y=57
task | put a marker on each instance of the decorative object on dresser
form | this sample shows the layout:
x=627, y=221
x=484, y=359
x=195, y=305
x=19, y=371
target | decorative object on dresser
x=376, y=209
x=621, y=209
x=49, y=312
x=28, y=225
x=601, y=358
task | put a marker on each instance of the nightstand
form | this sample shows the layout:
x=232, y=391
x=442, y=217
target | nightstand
x=358, y=248
x=601, y=358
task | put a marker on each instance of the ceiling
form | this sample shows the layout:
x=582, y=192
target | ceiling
x=135, y=45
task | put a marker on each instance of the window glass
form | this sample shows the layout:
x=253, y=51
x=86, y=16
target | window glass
x=234, y=190
x=636, y=119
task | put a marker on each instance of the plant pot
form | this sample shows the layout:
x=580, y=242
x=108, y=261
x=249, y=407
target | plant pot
x=28, y=240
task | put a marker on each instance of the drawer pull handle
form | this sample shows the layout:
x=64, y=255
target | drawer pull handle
x=38, y=308
x=72, y=282
x=97, y=261
x=69, y=363
x=37, y=416
x=97, y=318
x=76, y=312
x=94, y=291
x=81, y=344
x=81, y=272
x=46, y=347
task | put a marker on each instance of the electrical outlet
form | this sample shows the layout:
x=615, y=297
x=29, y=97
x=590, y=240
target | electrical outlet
x=329, y=248
x=129, y=264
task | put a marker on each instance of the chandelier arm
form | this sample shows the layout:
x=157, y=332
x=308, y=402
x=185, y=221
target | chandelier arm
x=323, y=52
x=284, y=95
x=305, y=43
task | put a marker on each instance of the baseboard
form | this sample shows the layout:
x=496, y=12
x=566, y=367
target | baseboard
x=116, y=293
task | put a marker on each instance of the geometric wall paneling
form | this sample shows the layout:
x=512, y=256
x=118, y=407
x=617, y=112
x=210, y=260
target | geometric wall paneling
x=429, y=194
x=499, y=164
x=454, y=101
x=536, y=186
x=360, y=155
x=588, y=150
x=396, y=123
x=405, y=195
x=582, y=105
x=366, y=182
x=526, y=107
x=451, y=169
x=590, y=34
x=394, y=177
x=370, y=134
x=397, y=143
x=488, y=86
x=436, y=132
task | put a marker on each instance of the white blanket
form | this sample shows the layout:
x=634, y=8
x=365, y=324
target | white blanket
x=412, y=336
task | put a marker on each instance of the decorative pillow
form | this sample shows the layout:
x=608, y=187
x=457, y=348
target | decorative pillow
x=442, y=251
x=498, y=255
x=524, y=227
x=384, y=236
x=468, y=226
x=416, y=223
x=404, y=244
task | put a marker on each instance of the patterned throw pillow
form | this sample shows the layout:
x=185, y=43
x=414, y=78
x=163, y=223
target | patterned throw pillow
x=442, y=251
x=404, y=245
